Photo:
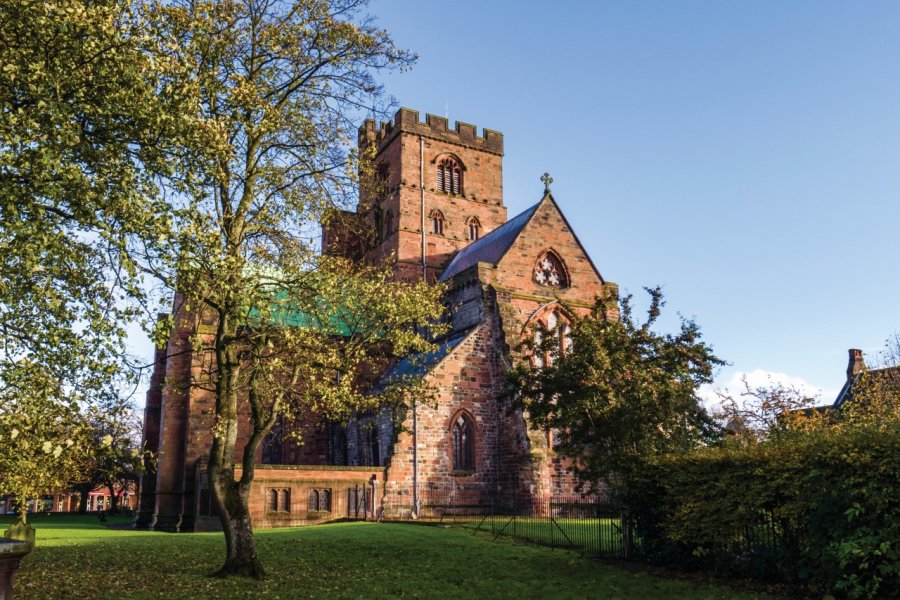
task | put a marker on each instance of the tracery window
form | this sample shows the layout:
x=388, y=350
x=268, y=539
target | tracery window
x=437, y=222
x=463, y=433
x=449, y=176
x=474, y=229
x=551, y=337
x=549, y=271
x=273, y=444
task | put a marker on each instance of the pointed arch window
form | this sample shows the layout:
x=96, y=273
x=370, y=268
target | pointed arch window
x=388, y=223
x=549, y=271
x=463, y=433
x=474, y=229
x=437, y=222
x=449, y=176
x=551, y=337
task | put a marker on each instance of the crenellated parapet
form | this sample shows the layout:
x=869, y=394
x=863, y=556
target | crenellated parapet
x=434, y=127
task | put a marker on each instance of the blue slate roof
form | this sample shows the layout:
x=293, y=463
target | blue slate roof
x=417, y=365
x=491, y=247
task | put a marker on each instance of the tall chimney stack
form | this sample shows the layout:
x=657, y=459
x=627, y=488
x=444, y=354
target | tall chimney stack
x=856, y=365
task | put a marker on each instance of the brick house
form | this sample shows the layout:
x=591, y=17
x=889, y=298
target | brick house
x=438, y=211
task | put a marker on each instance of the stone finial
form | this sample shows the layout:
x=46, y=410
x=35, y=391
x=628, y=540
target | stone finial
x=547, y=181
x=856, y=364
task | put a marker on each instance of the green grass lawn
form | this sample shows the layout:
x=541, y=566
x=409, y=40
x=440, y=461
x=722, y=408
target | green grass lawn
x=77, y=557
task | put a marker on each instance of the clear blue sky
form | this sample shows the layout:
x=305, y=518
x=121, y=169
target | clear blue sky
x=742, y=155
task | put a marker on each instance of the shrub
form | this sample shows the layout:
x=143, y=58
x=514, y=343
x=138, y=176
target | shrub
x=816, y=508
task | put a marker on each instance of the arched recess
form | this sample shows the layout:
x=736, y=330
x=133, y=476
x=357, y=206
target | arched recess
x=550, y=270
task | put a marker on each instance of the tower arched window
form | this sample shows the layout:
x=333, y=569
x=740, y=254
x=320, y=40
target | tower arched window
x=437, y=222
x=474, y=229
x=284, y=503
x=272, y=501
x=449, y=176
x=463, y=433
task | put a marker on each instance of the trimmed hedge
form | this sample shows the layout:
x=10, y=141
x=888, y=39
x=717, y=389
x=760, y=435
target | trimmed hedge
x=819, y=509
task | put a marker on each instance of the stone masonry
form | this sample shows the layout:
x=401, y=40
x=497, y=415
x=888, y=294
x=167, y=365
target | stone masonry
x=514, y=275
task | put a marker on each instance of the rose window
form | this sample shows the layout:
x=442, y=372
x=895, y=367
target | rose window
x=549, y=271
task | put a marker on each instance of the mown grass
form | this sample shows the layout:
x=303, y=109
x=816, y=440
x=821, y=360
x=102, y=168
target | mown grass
x=77, y=557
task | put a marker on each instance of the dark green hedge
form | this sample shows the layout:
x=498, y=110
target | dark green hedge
x=819, y=509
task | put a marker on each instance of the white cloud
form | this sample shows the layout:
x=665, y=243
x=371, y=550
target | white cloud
x=761, y=378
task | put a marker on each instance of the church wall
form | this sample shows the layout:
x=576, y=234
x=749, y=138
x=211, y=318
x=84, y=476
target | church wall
x=469, y=381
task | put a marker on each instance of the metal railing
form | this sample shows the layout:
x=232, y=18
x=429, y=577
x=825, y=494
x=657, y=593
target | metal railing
x=589, y=525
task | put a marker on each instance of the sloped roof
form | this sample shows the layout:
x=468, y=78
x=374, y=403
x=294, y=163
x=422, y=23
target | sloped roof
x=417, y=365
x=490, y=248
x=887, y=376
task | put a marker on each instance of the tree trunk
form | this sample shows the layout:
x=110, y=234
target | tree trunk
x=232, y=501
x=83, y=499
x=241, y=558
x=113, y=499
x=231, y=498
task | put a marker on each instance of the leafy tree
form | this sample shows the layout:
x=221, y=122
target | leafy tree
x=274, y=90
x=114, y=459
x=621, y=390
x=763, y=411
x=84, y=134
x=42, y=433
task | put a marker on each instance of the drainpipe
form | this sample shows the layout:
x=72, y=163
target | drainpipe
x=422, y=188
x=415, y=432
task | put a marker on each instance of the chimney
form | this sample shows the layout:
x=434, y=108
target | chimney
x=856, y=364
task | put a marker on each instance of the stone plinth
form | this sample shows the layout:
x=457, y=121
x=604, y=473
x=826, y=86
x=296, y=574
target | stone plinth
x=11, y=553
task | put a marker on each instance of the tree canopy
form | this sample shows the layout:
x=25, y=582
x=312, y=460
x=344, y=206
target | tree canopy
x=620, y=390
x=274, y=91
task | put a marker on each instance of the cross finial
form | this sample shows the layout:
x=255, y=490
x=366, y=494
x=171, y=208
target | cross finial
x=547, y=181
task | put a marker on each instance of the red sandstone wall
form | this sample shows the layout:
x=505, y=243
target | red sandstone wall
x=481, y=197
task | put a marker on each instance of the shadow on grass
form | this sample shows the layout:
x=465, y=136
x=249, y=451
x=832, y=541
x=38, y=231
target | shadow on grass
x=347, y=560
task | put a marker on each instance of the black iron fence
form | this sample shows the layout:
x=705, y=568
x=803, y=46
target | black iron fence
x=590, y=525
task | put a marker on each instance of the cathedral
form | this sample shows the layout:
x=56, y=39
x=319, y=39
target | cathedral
x=440, y=215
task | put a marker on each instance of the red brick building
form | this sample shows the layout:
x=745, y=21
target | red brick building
x=438, y=211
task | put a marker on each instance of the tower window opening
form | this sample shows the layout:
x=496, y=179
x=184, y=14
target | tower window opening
x=449, y=176
x=437, y=222
x=474, y=229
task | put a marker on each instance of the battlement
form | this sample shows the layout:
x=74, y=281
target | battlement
x=407, y=120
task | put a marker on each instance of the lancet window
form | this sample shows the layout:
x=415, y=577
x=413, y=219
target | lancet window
x=449, y=176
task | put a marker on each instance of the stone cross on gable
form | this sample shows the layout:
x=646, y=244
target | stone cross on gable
x=547, y=181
